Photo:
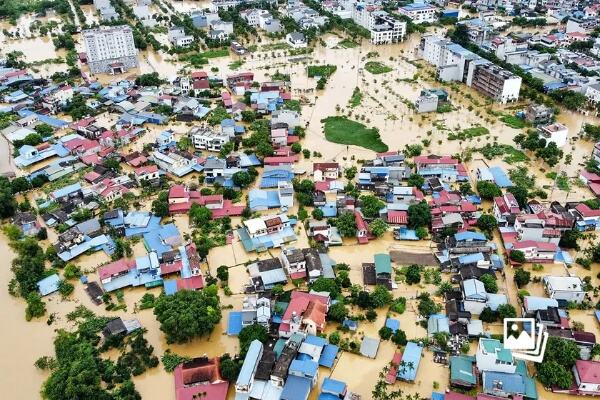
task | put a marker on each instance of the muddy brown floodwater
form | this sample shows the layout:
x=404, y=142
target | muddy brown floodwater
x=384, y=105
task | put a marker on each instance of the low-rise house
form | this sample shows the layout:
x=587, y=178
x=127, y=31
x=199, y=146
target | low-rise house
x=506, y=209
x=148, y=173
x=204, y=138
x=567, y=288
x=587, y=218
x=503, y=385
x=264, y=274
x=296, y=39
x=27, y=223
x=445, y=168
x=587, y=379
x=474, y=296
x=178, y=37
x=379, y=272
x=200, y=375
x=556, y=133
x=537, y=114
x=305, y=313
x=266, y=232
x=492, y=356
x=256, y=310
x=545, y=226
x=325, y=171
x=463, y=373
x=532, y=304
x=302, y=263
x=324, y=233
x=536, y=252
x=181, y=200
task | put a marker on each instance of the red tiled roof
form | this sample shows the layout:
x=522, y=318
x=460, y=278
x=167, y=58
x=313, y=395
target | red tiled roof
x=431, y=159
x=361, y=225
x=148, y=169
x=280, y=160
x=91, y=176
x=298, y=275
x=166, y=269
x=199, y=75
x=325, y=166
x=588, y=371
x=299, y=302
x=191, y=283
x=587, y=337
x=586, y=211
x=541, y=246
x=117, y=267
x=91, y=159
x=316, y=312
x=178, y=192
x=397, y=217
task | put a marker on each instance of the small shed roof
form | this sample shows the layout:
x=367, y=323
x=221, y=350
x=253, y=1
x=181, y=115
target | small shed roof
x=48, y=285
x=383, y=264
x=369, y=347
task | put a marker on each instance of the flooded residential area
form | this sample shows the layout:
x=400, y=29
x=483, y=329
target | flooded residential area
x=299, y=199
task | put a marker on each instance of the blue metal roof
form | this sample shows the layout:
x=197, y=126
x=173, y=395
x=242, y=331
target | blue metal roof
x=500, y=177
x=471, y=258
x=234, y=323
x=511, y=383
x=296, y=388
x=328, y=355
x=350, y=323
x=48, y=285
x=67, y=190
x=307, y=367
x=539, y=303
x=170, y=287
x=252, y=357
x=468, y=235
x=393, y=324
x=315, y=340
x=411, y=359
x=333, y=386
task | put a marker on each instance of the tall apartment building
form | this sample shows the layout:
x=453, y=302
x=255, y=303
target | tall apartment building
x=383, y=27
x=497, y=83
x=455, y=63
x=110, y=50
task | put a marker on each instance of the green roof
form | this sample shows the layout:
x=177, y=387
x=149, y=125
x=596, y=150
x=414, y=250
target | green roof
x=461, y=369
x=383, y=264
x=495, y=346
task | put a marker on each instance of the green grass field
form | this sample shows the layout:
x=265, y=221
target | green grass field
x=344, y=131
x=375, y=67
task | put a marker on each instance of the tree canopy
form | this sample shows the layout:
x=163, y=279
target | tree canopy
x=188, y=314
x=250, y=333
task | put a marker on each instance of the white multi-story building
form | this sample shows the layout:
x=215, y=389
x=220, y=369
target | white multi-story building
x=419, y=12
x=204, y=138
x=555, y=132
x=568, y=288
x=178, y=37
x=383, y=27
x=110, y=49
x=455, y=63
x=593, y=93
x=491, y=356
